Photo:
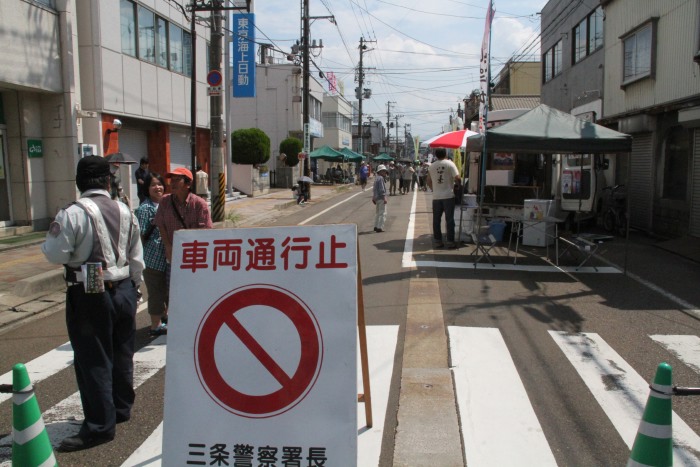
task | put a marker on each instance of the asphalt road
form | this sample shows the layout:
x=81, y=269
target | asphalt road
x=533, y=312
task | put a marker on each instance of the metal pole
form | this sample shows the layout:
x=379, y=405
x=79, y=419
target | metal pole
x=218, y=174
x=307, y=91
x=193, y=92
x=360, y=96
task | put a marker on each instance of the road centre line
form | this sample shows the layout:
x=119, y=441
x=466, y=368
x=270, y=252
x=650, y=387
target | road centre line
x=329, y=208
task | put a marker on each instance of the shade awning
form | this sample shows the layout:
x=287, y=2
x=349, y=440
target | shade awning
x=545, y=130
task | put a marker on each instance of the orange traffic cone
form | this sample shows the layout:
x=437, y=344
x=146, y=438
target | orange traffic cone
x=653, y=446
x=31, y=446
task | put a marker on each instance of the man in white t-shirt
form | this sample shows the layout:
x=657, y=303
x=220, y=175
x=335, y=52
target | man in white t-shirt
x=442, y=176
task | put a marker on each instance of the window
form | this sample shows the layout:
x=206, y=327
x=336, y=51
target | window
x=147, y=40
x=161, y=42
x=187, y=53
x=580, y=41
x=552, y=62
x=638, y=59
x=557, y=58
x=588, y=35
x=128, y=27
x=158, y=41
x=595, y=30
x=176, y=59
x=676, y=151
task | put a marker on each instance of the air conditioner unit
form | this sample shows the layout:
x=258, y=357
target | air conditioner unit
x=296, y=98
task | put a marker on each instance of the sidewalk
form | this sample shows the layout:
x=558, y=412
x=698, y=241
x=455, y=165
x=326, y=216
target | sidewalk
x=30, y=285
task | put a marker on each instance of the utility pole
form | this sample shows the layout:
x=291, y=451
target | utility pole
x=218, y=171
x=305, y=84
x=388, y=124
x=396, y=127
x=305, y=50
x=361, y=93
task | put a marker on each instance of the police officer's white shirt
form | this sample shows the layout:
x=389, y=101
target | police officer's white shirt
x=70, y=240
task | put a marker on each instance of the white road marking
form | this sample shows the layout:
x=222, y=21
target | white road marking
x=381, y=343
x=686, y=348
x=494, y=409
x=43, y=366
x=621, y=392
x=64, y=419
x=48, y=364
x=306, y=221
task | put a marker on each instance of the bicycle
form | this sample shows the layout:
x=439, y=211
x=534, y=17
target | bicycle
x=615, y=209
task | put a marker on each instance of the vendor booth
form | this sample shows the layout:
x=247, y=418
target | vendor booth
x=547, y=131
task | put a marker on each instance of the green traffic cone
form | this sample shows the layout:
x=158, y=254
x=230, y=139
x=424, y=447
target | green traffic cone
x=653, y=445
x=31, y=446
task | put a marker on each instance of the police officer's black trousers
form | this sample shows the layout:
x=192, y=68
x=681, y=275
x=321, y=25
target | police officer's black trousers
x=101, y=328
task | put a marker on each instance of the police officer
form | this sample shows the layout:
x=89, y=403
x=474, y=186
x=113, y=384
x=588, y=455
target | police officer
x=97, y=240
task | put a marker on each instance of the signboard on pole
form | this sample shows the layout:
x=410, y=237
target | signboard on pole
x=262, y=347
x=244, y=55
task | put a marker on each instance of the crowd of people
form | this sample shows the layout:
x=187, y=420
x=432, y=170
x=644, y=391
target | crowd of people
x=107, y=251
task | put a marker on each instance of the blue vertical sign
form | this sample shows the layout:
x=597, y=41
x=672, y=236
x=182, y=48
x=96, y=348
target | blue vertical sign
x=244, y=55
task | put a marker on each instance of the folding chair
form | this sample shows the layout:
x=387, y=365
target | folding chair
x=483, y=243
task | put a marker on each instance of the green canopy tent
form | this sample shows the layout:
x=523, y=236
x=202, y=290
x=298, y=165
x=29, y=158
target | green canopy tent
x=327, y=153
x=352, y=156
x=545, y=130
x=383, y=157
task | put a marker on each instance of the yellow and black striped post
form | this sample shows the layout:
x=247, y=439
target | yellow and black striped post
x=218, y=207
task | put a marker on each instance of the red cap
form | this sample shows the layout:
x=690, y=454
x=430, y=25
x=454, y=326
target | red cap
x=181, y=171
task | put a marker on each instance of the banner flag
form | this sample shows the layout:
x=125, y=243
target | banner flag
x=484, y=70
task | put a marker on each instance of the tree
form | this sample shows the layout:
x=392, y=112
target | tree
x=291, y=147
x=250, y=146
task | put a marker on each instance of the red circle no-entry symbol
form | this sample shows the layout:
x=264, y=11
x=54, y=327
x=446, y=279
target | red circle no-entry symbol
x=293, y=387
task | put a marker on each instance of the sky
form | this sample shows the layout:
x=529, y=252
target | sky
x=422, y=56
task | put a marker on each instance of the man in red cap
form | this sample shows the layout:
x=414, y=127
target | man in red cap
x=180, y=210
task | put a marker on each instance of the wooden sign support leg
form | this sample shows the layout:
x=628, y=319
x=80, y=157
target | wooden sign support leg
x=362, y=332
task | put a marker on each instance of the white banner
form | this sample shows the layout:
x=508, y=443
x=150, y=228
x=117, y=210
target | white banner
x=484, y=70
x=262, y=347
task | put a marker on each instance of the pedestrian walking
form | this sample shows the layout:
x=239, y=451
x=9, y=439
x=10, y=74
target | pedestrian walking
x=364, y=174
x=140, y=176
x=202, y=183
x=154, y=255
x=97, y=240
x=423, y=177
x=379, y=198
x=442, y=176
x=407, y=178
x=394, y=175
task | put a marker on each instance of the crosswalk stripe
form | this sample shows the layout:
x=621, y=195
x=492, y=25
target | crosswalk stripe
x=499, y=425
x=621, y=392
x=43, y=366
x=48, y=364
x=381, y=348
x=64, y=419
x=686, y=348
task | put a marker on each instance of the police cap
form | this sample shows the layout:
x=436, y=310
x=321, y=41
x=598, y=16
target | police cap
x=93, y=167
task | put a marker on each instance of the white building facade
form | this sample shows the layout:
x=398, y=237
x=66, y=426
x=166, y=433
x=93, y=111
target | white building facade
x=70, y=68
